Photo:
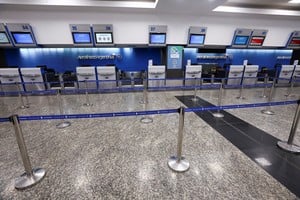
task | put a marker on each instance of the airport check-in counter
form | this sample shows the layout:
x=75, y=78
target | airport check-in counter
x=8, y=78
x=235, y=74
x=156, y=75
x=250, y=74
x=297, y=75
x=87, y=74
x=107, y=77
x=192, y=72
x=285, y=74
x=33, y=79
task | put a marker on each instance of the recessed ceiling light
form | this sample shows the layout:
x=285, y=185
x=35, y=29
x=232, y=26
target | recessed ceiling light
x=294, y=1
x=234, y=9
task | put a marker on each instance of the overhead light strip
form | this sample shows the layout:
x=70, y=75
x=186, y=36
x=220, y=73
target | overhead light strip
x=233, y=9
x=294, y=1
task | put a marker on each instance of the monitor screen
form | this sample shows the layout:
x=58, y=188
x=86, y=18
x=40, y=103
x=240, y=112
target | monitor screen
x=3, y=38
x=196, y=39
x=295, y=41
x=82, y=38
x=257, y=41
x=104, y=38
x=241, y=40
x=157, y=38
x=22, y=38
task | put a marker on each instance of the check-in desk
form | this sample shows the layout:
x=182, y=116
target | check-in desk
x=235, y=74
x=250, y=74
x=86, y=77
x=33, y=79
x=297, y=75
x=156, y=75
x=285, y=74
x=107, y=77
x=9, y=77
x=192, y=72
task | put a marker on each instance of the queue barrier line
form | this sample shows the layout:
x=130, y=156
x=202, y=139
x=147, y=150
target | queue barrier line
x=148, y=112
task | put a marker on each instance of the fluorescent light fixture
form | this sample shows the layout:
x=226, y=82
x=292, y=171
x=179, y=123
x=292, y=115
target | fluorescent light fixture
x=233, y=9
x=294, y=1
x=92, y=3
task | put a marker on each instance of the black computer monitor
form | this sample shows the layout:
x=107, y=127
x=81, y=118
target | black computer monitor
x=81, y=37
x=157, y=38
x=4, y=38
x=22, y=38
x=104, y=38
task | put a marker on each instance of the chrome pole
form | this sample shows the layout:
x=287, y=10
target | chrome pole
x=264, y=95
x=23, y=105
x=241, y=91
x=290, y=91
x=63, y=123
x=87, y=99
x=31, y=176
x=145, y=119
x=267, y=110
x=218, y=114
x=289, y=146
x=195, y=90
x=178, y=162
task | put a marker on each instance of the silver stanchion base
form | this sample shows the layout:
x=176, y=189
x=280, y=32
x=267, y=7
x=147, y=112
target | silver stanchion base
x=25, y=181
x=178, y=166
x=194, y=99
x=263, y=96
x=218, y=115
x=146, y=120
x=88, y=104
x=24, y=107
x=63, y=124
x=289, y=95
x=267, y=112
x=288, y=147
x=241, y=97
x=143, y=102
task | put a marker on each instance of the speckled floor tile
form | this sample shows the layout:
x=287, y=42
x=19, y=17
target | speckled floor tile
x=121, y=158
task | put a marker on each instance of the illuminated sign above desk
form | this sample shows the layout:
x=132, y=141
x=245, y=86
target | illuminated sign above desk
x=22, y=35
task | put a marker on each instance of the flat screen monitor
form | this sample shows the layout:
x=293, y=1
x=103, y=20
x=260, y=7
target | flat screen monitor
x=22, y=38
x=295, y=41
x=241, y=40
x=3, y=38
x=257, y=41
x=157, y=38
x=196, y=39
x=81, y=37
x=104, y=38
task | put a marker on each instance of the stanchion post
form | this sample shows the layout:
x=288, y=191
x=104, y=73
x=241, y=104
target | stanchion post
x=178, y=163
x=266, y=78
x=145, y=119
x=218, y=114
x=195, y=90
x=87, y=99
x=23, y=105
x=267, y=110
x=290, y=90
x=63, y=123
x=32, y=175
x=289, y=146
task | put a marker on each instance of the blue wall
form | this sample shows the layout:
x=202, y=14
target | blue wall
x=63, y=59
x=262, y=57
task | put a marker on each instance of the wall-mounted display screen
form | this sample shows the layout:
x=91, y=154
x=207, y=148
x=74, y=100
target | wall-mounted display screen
x=196, y=39
x=81, y=38
x=257, y=41
x=241, y=40
x=157, y=38
x=3, y=38
x=295, y=41
x=104, y=38
x=22, y=38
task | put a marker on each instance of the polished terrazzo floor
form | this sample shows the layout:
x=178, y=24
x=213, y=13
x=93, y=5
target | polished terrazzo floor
x=121, y=158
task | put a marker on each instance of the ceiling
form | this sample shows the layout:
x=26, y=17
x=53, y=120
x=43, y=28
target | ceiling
x=269, y=8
